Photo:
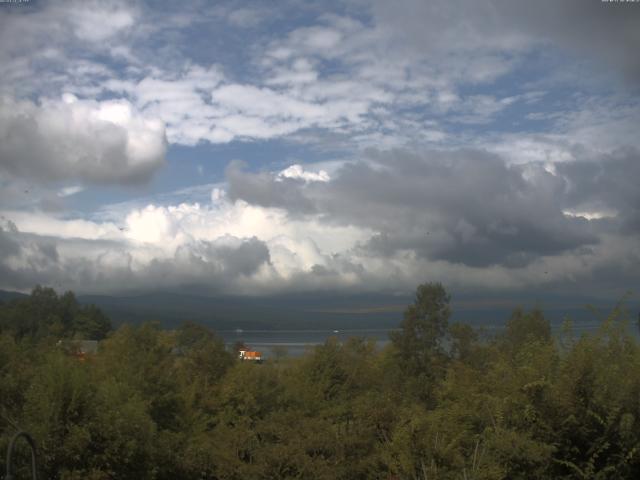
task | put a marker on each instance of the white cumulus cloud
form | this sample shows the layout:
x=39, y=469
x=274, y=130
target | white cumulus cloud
x=296, y=171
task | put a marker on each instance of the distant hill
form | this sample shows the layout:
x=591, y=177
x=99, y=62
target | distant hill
x=249, y=313
x=336, y=311
x=255, y=313
x=328, y=311
x=6, y=296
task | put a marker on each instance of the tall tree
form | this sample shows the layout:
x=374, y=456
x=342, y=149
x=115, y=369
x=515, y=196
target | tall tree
x=420, y=341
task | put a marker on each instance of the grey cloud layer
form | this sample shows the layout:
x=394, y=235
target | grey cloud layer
x=608, y=31
x=610, y=183
x=108, y=266
x=96, y=142
x=464, y=206
x=464, y=217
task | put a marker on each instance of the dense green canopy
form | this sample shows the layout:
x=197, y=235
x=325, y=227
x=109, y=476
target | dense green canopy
x=437, y=402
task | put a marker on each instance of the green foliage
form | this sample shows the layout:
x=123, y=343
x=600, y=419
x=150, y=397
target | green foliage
x=463, y=341
x=525, y=327
x=437, y=402
x=424, y=325
x=419, y=344
x=44, y=314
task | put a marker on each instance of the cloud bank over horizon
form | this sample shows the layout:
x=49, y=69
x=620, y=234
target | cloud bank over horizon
x=352, y=147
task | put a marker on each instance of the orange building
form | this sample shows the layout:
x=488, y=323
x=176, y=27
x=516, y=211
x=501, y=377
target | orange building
x=250, y=355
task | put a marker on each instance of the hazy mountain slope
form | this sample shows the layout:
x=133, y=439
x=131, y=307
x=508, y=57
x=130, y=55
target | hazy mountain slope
x=329, y=311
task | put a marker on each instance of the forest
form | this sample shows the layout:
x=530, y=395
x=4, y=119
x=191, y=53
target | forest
x=440, y=401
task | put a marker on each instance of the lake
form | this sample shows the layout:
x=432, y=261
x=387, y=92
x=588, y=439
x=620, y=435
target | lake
x=297, y=342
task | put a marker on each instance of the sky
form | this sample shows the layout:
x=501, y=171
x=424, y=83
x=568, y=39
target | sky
x=267, y=148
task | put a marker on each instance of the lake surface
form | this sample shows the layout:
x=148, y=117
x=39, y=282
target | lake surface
x=297, y=342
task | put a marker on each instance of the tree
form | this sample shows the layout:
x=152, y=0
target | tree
x=424, y=326
x=419, y=342
x=463, y=340
x=523, y=328
x=91, y=323
x=202, y=359
x=45, y=314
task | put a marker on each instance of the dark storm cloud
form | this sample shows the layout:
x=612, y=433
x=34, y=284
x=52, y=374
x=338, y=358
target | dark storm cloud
x=211, y=267
x=263, y=189
x=608, y=183
x=41, y=252
x=606, y=31
x=463, y=206
x=241, y=259
x=25, y=260
x=98, y=265
x=8, y=245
